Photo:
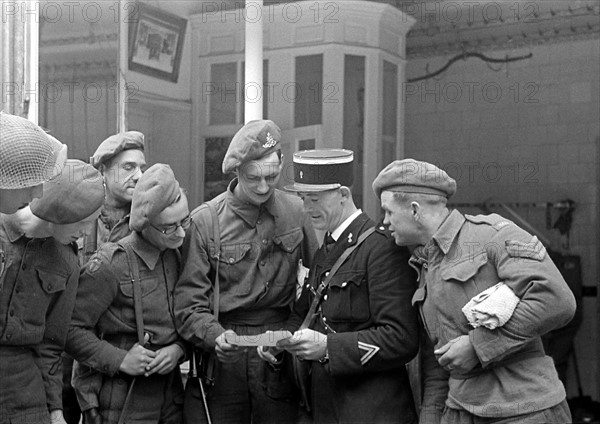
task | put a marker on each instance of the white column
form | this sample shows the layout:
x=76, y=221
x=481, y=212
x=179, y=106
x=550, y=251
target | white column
x=32, y=52
x=123, y=66
x=253, y=87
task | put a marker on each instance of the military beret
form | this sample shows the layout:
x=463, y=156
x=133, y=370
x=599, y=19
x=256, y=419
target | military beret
x=115, y=144
x=28, y=156
x=412, y=176
x=73, y=195
x=156, y=189
x=322, y=169
x=253, y=141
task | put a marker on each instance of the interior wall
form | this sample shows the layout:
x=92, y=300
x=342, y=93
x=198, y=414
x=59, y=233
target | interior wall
x=526, y=132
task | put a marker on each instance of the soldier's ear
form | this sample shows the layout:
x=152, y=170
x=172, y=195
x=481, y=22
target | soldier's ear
x=415, y=209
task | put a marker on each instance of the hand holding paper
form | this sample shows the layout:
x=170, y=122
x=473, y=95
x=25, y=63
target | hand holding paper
x=269, y=338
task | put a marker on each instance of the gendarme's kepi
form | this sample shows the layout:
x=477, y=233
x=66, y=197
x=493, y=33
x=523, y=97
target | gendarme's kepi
x=322, y=169
x=413, y=176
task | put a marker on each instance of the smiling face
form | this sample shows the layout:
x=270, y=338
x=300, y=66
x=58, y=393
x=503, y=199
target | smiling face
x=174, y=216
x=325, y=208
x=121, y=175
x=11, y=200
x=257, y=179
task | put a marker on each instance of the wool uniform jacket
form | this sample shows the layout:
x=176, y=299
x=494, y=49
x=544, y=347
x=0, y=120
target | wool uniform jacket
x=371, y=327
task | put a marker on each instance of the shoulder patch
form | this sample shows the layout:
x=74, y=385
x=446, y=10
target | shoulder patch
x=494, y=220
x=93, y=264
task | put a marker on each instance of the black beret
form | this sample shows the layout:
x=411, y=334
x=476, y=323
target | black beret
x=412, y=176
x=156, y=189
x=71, y=196
x=115, y=144
x=253, y=141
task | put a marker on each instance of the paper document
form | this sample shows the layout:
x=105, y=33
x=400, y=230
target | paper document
x=265, y=339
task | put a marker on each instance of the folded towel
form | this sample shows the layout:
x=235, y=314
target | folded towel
x=491, y=308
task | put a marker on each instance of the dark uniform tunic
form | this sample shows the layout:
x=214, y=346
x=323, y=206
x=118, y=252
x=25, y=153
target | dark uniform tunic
x=371, y=327
x=260, y=251
x=39, y=282
x=467, y=255
x=105, y=308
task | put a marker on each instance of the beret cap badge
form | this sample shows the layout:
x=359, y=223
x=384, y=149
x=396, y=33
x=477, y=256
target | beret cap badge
x=270, y=141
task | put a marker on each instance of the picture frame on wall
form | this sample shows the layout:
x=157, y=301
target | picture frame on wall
x=156, y=42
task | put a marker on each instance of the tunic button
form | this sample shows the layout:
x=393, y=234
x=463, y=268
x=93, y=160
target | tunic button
x=344, y=284
x=327, y=273
x=259, y=221
x=324, y=319
x=324, y=299
x=231, y=260
x=262, y=263
x=265, y=241
x=49, y=287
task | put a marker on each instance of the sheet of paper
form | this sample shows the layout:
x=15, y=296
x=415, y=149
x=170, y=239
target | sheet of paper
x=264, y=339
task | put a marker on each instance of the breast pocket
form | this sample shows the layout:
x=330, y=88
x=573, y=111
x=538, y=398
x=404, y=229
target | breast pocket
x=234, y=263
x=50, y=283
x=148, y=285
x=288, y=243
x=462, y=278
x=347, y=298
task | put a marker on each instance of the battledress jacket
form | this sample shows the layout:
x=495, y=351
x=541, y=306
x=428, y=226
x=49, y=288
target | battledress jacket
x=372, y=330
x=38, y=286
x=260, y=252
x=467, y=255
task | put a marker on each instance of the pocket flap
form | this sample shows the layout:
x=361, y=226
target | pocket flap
x=290, y=240
x=465, y=270
x=232, y=253
x=52, y=281
x=342, y=278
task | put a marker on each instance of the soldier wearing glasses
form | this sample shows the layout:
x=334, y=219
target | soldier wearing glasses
x=105, y=306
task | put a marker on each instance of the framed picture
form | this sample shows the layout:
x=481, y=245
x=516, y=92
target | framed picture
x=155, y=42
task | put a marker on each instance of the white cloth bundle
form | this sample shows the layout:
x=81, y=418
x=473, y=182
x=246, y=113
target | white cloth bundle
x=491, y=308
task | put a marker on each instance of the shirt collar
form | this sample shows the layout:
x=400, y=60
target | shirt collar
x=12, y=229
x=342, y=227
x=247, y=211
x=147, y=252
x=448, y=230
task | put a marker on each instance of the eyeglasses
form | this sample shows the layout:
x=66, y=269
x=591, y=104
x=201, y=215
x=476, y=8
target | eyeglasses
x=171, y=229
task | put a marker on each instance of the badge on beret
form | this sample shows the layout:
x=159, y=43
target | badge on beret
x=270, y=141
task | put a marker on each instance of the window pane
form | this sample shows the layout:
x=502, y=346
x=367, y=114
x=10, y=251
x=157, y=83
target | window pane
x=215, y=182
x=307, y=93
x=354, y=116
x=390, y=97
x=224, y=97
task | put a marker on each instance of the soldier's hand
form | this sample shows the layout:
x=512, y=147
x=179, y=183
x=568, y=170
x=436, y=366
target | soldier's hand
x=165, y=361
x=137, y=359
x=226, y=352
x=458, y=354
x=306, y=344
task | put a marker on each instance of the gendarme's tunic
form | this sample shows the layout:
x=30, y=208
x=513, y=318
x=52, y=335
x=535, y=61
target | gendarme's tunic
x=39, y=282
x=467, y=255
x=372, y=330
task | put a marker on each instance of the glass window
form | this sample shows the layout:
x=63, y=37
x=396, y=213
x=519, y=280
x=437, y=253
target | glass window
x=224, y=93
x=307, y=92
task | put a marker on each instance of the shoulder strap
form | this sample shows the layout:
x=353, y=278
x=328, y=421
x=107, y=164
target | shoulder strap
x=217, y=241
x=323, y=286
x=134, y=273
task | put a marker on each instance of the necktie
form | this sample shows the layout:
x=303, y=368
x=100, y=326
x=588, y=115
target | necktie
x=328, y=242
